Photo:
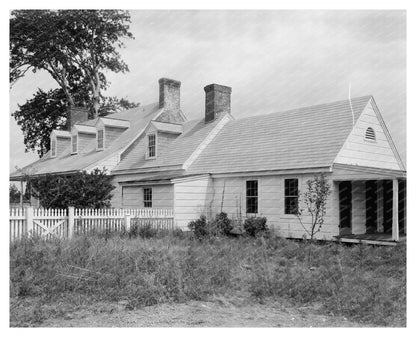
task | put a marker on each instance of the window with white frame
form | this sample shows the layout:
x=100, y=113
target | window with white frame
x=74, y=143
x=291, y=196
x=100, y=139
x=252, y=195
x=147, y=197
x=151, y=146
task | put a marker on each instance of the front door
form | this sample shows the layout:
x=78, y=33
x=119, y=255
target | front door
x=345, y=207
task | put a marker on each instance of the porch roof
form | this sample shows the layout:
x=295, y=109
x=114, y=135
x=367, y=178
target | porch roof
x=342, y=172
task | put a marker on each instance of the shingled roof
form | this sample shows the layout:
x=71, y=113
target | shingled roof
x=65, y=162
x=177, y=152
x=300, y=138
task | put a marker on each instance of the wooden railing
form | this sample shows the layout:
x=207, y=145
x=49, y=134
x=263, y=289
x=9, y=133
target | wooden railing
x=62, y=223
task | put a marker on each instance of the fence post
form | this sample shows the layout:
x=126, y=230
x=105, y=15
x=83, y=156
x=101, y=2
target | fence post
x=29, y=220
x=127, y=222
x=71, y=212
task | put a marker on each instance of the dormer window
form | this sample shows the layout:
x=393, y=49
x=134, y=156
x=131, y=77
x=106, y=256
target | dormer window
x=151, y=146
x=53, y=147
x=370, y=134
x=74, y=144
x=100, y=139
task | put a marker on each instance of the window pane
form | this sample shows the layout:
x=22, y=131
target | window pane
x=147, y=197
x=251, y=196
x=291, y=187
x=251, y=205
x=291, y=205
x=53, y=148
x=100, y=139
x=74, y=143
x=152, y=145
x=251, y=188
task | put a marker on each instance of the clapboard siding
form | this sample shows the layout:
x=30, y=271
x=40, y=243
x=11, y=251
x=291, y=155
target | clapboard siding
x=162, y=194
x=62, y=143
x=163, y=141
x=359, y=151
x=84, y=140
x=230, y=193
x=111, y=134
x=186, y=209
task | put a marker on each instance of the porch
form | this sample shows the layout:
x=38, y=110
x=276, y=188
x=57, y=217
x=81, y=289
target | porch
x=372, y=205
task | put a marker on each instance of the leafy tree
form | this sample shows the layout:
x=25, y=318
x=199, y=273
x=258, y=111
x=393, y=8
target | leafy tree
x=40, y=115
x=314, y=198
x=81, y=190
x=47, y=110
x=73, y=46
x=14, y=194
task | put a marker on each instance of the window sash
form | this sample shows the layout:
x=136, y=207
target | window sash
x=291, y=196
x=100, y=139
x=151, y=146
x=252, y=196
x=53, y=147
x=147, y=197
x=74, y=144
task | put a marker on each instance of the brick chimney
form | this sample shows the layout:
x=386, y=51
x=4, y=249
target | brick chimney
x=217, y=100
x=169, y=94
x=76, y=114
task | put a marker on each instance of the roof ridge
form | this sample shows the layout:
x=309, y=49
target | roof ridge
x=316, y=106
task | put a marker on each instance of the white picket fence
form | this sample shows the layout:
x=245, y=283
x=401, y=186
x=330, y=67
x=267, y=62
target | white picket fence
x=62, y=223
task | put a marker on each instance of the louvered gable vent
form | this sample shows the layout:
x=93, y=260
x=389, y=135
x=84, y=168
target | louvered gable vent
x=370, y=134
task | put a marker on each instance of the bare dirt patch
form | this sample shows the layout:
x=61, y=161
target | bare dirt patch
x=201, y=314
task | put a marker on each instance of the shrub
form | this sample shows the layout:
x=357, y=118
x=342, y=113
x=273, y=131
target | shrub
x=81, y=190
x=222, y=224
x=200, y=227
x=256, y=226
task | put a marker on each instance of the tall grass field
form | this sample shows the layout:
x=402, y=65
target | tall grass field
x=51, y=278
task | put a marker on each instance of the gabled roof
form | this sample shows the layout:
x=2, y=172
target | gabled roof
x=300, y=138
x=61, y=133
x=176, y=152
x=168, y=127
x=138, y=117
x=114, y=122
x=84, y=128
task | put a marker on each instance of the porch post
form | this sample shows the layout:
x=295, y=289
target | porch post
x=395, y=225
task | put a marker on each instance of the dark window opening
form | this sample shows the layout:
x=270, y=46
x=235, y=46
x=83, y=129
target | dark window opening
x=291, y=196
x=252, y=196
x=147, y=197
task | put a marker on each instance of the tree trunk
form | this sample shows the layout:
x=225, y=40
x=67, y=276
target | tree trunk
x=96, y=93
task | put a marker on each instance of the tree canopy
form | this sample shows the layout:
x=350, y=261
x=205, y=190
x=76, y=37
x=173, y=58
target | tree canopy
x=81, y=190
x=75, y=47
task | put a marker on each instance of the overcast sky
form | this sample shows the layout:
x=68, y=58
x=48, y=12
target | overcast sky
x=273, y=60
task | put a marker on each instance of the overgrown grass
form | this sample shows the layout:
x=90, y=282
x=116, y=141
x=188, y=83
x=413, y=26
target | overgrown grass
x=50, y=278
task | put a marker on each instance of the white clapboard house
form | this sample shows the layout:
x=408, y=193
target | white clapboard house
x=251, y=166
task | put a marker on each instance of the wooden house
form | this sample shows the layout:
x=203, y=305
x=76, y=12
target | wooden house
x=251, y=166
